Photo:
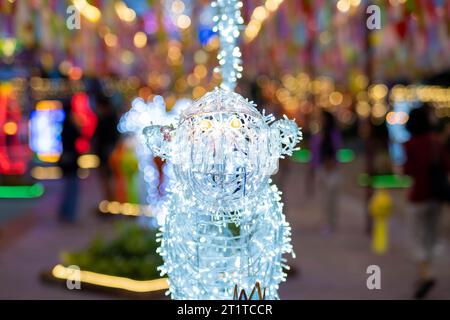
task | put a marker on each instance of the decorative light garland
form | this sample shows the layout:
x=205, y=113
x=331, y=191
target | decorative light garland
x=228, y=21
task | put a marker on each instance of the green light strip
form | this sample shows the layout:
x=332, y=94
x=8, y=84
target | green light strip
x=302, y=156
x=384, y=181
x=34, y=191
x=342, y=156
x=345, y=155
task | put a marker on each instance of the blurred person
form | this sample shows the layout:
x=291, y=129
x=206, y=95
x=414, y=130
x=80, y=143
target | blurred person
x=68, y=162
x=324, y=147
x=105, y=139
x=427, y=164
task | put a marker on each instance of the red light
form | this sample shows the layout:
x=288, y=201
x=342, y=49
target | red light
x=88, y=119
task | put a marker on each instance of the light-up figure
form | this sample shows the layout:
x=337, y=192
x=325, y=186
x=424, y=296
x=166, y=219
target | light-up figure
x=225, y=225
x=153, y=181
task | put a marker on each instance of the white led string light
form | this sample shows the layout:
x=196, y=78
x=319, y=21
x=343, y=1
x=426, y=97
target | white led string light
x=228, y=21
x=133, y=122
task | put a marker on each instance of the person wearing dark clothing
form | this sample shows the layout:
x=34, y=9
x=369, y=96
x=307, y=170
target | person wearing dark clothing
x=423, y=150
x=105, y=139
x=68, y=164
x=324, y=146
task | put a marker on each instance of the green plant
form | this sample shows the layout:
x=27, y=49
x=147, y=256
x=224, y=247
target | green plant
x=131, y=254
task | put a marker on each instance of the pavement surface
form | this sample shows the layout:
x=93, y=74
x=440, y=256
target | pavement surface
x=327, y=266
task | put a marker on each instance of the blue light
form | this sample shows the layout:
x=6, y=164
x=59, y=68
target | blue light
x=45, y=131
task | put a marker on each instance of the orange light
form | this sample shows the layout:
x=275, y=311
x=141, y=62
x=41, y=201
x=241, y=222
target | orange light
x=10, y=128
x=48, y=105
x=48, y=157
x=75, y=73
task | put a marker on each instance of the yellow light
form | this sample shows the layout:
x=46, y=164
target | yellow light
x=260, y=13
x=336, y=98
x=200, y=57
x=88, y=161
x=123, y=12
x=9, y=46
x=104, y=280
x=183, y=21
x=46, y=173
x=88, y=11
x=235, y=123
x=271, y=5
x=200, y=71
x=92, y=13
x=48, y=157
x=10, y=128
x=213, y=44
x=140, y=39
x=379, y=110
x=363, y=109
x=361, y=81
x=64, y=67
x=378, y=91
x=205, y=124
x=192, y=79
x=198, y=92
x=252, y=30
x=126, y=209
x=343, y=5
x=127, y=57
x=103, y=206
x=48, y=105
x=178, y=7
x=174, y=53
x=114, y=207
x=110, y=40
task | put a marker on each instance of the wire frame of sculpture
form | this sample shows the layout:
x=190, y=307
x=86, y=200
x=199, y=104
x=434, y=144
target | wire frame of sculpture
x=225, y=225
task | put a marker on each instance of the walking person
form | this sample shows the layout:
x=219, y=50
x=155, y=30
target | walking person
x=68, y=163
x=428, y=166
x=325, y=145
x=105, y=140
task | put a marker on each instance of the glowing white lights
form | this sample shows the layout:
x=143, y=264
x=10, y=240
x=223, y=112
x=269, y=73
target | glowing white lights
x=224, y=224
x=140, y=115
x=228, y=21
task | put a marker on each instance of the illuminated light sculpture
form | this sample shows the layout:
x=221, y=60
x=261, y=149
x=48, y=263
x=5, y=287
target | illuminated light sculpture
x=133, y=122
x=224, y=225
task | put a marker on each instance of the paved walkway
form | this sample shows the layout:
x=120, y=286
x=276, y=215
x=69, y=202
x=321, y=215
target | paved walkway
x=328, y=267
